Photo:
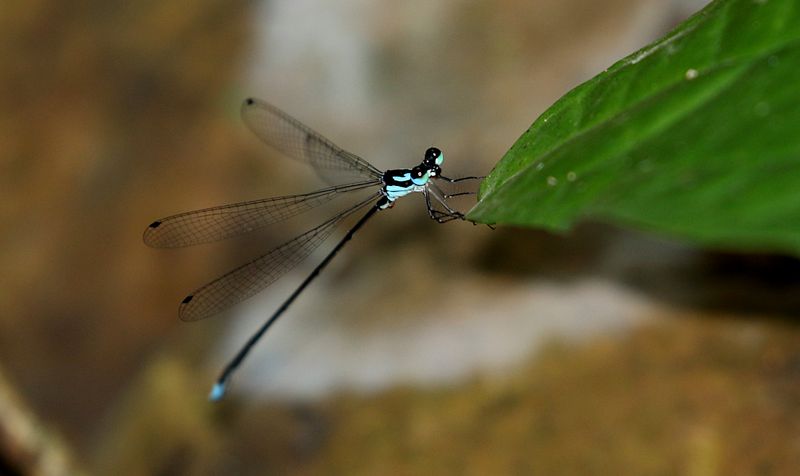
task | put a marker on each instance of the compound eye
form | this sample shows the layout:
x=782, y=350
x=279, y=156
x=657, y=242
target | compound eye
x=432, y=154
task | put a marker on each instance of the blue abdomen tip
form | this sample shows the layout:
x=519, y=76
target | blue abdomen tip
x=217, y=392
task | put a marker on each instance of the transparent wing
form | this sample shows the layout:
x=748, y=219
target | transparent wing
x=225, y=221
x=250, y=278
x=291, y=137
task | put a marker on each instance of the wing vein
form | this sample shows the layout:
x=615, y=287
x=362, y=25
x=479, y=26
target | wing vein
x=224, y=221
x=293, y=138
x=250, y=278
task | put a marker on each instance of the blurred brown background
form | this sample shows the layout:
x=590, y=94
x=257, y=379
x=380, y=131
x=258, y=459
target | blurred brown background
x=423, y=349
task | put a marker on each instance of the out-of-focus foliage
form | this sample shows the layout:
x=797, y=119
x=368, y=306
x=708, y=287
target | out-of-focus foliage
x=695, y=135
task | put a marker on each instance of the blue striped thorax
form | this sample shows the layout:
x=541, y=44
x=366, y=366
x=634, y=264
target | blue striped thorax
x=401, y=182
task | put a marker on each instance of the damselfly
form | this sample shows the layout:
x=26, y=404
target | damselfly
x=295, y=140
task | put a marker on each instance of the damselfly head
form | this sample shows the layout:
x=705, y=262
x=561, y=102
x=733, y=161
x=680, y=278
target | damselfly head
x=433, y=156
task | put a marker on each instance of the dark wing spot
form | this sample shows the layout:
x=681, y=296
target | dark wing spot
x=155, y=224
x=187, y=299
x=249, y=101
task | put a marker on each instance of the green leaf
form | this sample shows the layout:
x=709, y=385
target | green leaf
x=696, y=135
